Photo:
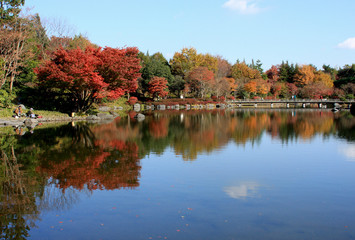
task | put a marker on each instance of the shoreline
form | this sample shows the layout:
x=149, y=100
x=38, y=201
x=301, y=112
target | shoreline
x=26, y=121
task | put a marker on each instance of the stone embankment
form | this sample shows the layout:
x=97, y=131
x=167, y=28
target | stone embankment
x=24, y=121
x=31, y=122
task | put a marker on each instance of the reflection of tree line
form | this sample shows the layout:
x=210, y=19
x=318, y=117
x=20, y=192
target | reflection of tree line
x=190, y=133
x=86, y=157
x=18, y=210
x=69, y=158
x=89, y=160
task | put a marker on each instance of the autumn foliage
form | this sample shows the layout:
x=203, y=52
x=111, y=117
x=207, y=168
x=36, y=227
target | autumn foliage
x=158, y=87
x=90, y=74
x=200, y=80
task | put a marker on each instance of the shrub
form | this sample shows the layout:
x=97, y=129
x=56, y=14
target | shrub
x=132, y=100
x=6, y=98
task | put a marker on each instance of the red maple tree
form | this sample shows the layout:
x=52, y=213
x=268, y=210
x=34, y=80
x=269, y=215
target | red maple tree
x=120, y=69
x=158, y=87
x=91, y=74
x=73, y=71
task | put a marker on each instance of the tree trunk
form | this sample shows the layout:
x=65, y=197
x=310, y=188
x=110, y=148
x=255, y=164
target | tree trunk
x=12, y=78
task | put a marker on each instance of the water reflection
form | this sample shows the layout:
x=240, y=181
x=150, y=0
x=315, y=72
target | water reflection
x=349, y=152
x=45, y=169
x=242, y=190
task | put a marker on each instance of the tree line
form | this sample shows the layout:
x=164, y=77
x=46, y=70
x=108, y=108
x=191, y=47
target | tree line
x=44, y=66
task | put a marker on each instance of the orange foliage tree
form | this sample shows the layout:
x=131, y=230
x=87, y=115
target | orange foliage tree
x=305, y=75
x=251, y=87
x=200, y=81
x=263, y=87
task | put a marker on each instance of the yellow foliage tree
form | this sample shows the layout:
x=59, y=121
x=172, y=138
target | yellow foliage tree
x=209, y=61
x=184, y=61
x=325, y=78
x=263, y=87
x=188, y=59
x=305, y=75
x=233, y=85
x=241, y=71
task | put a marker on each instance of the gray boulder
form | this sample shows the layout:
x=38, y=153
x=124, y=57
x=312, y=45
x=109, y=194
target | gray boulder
x=139, y=117
x=30, y=122
x=137, y=107
x=161, y=107
x=105, y=116
x=92, y=118
x=118, y=108
x=104, y=109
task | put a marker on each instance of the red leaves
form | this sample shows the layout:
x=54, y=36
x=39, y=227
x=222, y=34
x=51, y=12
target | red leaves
x=158, y=87
x=93, y=73
x=120, y=69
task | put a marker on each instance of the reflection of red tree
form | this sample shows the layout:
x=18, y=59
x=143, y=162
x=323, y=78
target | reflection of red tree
x=112, y=164
x=158, y=128
x=92, y=173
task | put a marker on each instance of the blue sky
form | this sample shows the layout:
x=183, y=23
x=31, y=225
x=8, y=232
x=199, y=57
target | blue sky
x=300, y=31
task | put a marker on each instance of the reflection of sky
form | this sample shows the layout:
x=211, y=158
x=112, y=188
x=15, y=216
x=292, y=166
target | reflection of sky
x=243, y=190
x=348, y=151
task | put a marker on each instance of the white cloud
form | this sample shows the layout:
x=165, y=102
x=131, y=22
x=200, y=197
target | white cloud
x=242, y=6
x=348, y=43
x=242, y=191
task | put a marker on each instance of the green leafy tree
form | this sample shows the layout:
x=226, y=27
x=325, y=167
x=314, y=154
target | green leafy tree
x=177, y=85
x=258, y=66
x=287, y=72
x=154, y=66
x=10, y=9
x=331, y=71
x=346, y=75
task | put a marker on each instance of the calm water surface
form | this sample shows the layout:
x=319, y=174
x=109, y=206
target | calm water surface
x=182, y=175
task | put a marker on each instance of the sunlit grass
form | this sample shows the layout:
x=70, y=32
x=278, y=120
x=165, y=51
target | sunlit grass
x=7, y=113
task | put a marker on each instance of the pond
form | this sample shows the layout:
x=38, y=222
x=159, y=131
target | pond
x=236, y=174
